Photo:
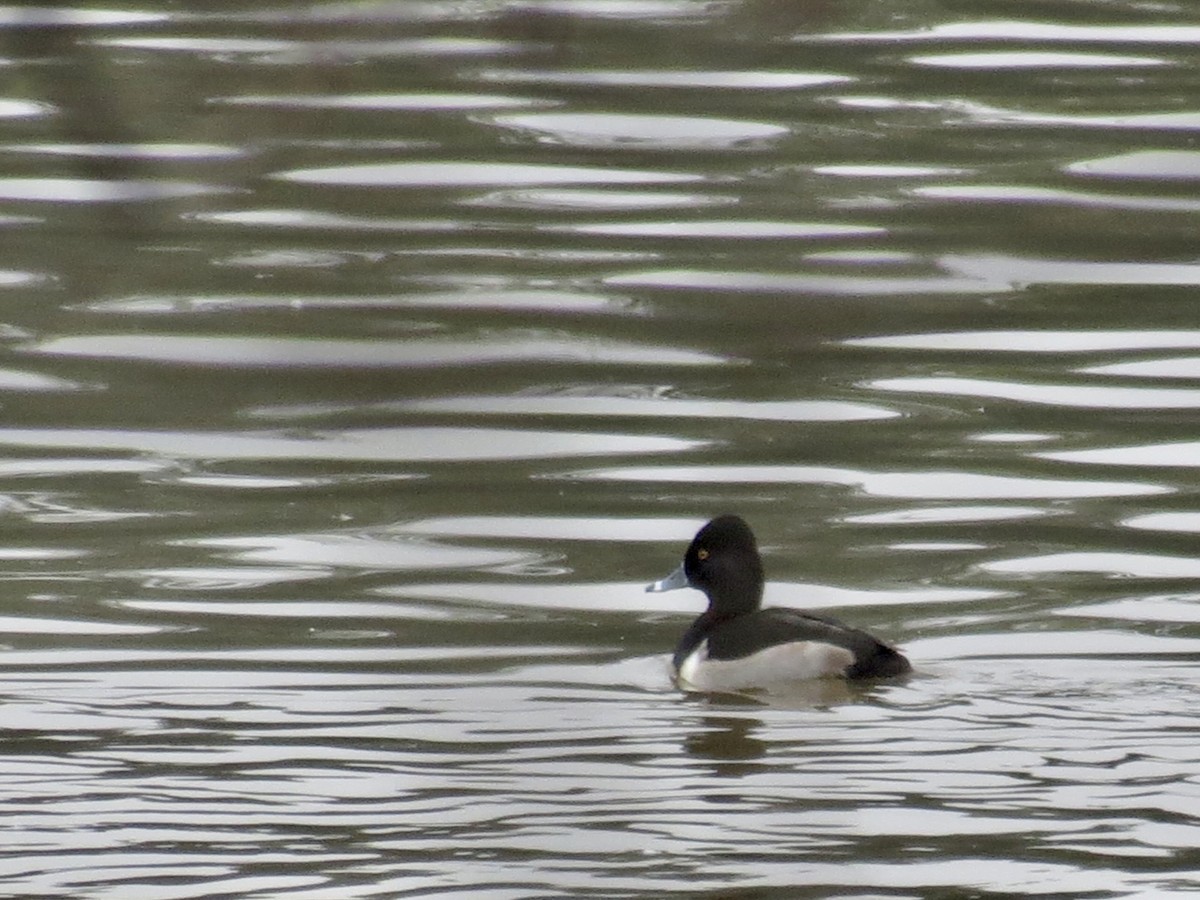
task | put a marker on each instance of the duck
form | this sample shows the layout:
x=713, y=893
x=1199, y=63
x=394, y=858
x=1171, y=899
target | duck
x=737, y=645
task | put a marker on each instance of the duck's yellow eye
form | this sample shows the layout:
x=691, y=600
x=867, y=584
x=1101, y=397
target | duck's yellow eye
x=702, y=554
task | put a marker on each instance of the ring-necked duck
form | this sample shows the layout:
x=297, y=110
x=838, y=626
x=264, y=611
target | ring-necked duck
x=735, y=644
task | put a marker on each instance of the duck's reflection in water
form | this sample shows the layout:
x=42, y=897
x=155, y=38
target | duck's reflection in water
x=730, y=740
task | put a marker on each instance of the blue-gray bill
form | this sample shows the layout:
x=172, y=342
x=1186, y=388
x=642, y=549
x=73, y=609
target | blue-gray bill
x=674, y=581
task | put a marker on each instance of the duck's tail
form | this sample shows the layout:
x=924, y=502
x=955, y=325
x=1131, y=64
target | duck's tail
x=886, y=662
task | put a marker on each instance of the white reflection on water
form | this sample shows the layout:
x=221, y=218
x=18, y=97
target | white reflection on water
x=616, y=596
x=177, y=152
x=27, y=15
x=1182, y=608
x=1086, y=396
x=326, y=611
x=279, y=260
x=309, y=219
x=1177, y=367
x=1036, y=341
x=722, y=228
x=380, y=444
x=922, y=516
x=1108, y=645
x=220, y=578
x=61, y=508
x=17, y=380
x=807, y=283
x=15, y=278
x=399, y=48
x=612, y=129
x=1032, y=59
x=1012, y=437
x=83, y=190
x=885, y=170
x=558, y=528
x=1131, y=565
x=312, y=657
x=1029, y=194
x=31, y=625
x=626, y=10
x=21, y=109
x=473, y=297
x=243, y=482
x=1158, y=165
x=379, y=101
x=823, y=596
x=9, y=554
x=542, y=255
x=665, y=407
x=247, y=352
x=363, y=550
x=1016, y=271
x=936, y=546
x=733, y=79
x=631, y=597
x=598, y=200
x=1181, y=454
x=463, y=174
x=947, y=485
x=1044, y=32
x=20, y=468
x=200, y=45
x=1163, y=121
x=1187, y=522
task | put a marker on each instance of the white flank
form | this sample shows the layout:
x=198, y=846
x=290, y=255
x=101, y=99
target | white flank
x=775, y=665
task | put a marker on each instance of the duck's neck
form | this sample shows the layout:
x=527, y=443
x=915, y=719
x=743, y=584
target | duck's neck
x=737, y=592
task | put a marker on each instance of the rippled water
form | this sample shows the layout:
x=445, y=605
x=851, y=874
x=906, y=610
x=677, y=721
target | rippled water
x=363, y=361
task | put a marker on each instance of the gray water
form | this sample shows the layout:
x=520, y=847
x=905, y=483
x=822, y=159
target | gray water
x=363, y=361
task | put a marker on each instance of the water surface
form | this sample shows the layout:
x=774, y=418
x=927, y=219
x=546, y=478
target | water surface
x=362, y=362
